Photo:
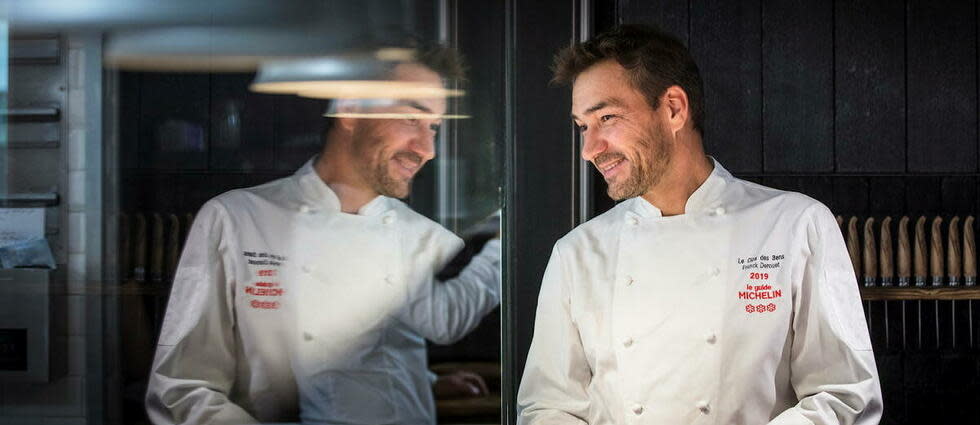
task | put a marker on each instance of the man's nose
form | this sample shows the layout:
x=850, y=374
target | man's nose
x=592, y=145
x=425, y=144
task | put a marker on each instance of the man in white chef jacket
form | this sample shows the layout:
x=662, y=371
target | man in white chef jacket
x=700, y=298
x=311, y=297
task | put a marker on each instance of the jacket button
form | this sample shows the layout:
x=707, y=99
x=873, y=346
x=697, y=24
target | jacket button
x=307, y=336
x=633, y=221
x=704, y=407
x=307, y=268
x=628, y=342
x=637, y=409
x=389, y=280
x=629, y=280
x=711, y=338
x=304, y=208
x=388, y=219
x=719, y=211
x=715, y=272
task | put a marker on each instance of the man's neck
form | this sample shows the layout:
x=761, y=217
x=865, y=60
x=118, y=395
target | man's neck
x=684, y=176
x=337, y=173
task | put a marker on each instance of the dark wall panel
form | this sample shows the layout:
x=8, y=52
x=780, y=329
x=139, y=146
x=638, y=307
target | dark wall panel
x=129, y=128
x=797, y=86
x=298, y=123
x=923, y=197
x=819, y=188
x=541, y=161
x=671, y=15
x=726, y=42
x=959, y=195
x=886, y=196
x=869, y=85
x=851, y=197
x=174, y=121
x=242, y=133
x=942, y=90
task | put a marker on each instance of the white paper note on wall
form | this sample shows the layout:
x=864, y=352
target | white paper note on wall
x=21, y=224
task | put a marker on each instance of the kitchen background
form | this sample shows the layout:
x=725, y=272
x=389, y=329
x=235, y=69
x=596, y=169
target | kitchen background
x=869, y=106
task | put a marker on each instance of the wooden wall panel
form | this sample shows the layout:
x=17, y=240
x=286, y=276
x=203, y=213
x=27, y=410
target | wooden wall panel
x=797, y=86
x=725, y=41
x=869, y=85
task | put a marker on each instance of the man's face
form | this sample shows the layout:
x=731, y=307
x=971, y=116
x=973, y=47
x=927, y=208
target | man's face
x=623, y=136
x=388, y=152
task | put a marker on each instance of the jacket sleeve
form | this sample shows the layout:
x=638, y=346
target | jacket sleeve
x=444, y=312
x=194, y=366
x=557, y=373
x=832, y=367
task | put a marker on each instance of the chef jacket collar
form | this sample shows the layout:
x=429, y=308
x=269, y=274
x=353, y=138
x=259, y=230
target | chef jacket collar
x=707, y=199
x=315, y=194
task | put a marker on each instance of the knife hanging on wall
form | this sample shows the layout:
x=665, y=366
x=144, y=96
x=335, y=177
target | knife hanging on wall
x=885, y=255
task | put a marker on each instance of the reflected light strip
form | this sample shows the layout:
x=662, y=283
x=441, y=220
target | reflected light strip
x=394, y=115
x=353, y=89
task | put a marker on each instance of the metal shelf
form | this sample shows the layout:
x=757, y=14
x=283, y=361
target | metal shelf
x=920, y=293
x=29, y=200
x=40, y=113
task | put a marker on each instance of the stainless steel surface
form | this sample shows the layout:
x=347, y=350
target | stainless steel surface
x=31, y=301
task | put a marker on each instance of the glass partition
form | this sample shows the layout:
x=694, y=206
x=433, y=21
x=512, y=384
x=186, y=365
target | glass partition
x=248, y=210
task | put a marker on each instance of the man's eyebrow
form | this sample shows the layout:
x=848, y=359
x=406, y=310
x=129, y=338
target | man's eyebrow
x=602, y=104
x=416, y=105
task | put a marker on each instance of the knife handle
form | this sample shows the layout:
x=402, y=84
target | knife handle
x=904, y=257
x=953, y=255
x=885, y=255
x=969, y=253
x=854, y=246
x=936, y=256
x=920, y=253
x=870, y=257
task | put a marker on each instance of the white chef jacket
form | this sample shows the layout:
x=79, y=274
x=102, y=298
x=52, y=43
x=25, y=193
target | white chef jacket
x=743, y=310
x=275, y=283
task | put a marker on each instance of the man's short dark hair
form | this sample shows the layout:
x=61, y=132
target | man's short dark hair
x=445, y=61
x=654, y=60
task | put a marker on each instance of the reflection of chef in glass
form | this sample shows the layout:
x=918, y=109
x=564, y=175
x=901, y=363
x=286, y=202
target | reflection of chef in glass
x=315, y=292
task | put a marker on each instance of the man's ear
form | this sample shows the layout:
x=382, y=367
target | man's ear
x=347, y=124
x=346, y=107
x=676, y=107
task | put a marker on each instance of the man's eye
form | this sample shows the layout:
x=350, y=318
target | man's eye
x=605, y=118
x=434, y=127
x=582, y=128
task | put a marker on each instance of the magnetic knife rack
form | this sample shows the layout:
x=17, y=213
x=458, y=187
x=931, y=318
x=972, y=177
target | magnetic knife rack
x=929, y=259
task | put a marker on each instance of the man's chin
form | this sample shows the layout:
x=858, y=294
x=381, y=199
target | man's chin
x=398, y=191
x=620, y=192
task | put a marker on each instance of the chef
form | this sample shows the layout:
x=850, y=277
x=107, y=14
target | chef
x=700, y=298
x=312, y=296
